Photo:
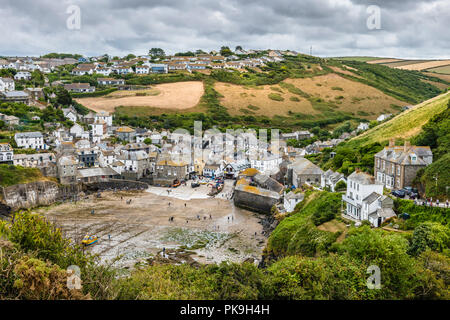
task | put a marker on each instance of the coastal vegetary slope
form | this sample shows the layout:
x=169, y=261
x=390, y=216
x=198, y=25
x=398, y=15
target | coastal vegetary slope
x=406, y=124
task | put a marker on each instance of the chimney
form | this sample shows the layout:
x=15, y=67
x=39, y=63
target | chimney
x=357, y=170
x=407, y=145
x=392, y=142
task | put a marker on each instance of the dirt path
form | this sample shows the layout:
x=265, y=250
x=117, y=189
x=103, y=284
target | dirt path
x=142, y=228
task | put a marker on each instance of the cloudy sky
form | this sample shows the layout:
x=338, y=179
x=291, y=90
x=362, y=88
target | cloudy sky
x=407, y=29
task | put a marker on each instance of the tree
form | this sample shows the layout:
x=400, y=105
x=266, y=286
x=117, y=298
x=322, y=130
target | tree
x=238, y=48
x=38, y=78
x=430, y=235
x=63, y=97
x=225, y=51
x=341, y=185
x=185, y=54
x=156, y=52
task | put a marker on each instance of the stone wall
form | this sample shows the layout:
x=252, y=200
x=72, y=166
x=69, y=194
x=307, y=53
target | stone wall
x=37, y=194
x=42, y=193
x=254, y=202
x=114, y=184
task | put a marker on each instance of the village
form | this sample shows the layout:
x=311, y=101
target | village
x=211, y=181
x=108, y=66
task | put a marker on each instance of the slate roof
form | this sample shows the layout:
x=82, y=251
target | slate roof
x=304, y=166
x=95, y=172
x=403, y=155
x=371, y=197
x=28, y=135
x=362, y=178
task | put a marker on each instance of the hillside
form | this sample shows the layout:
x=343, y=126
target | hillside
x=11, y=175
x=301, y=95
x=426, y=124
x=406, y=124
x=300, y=92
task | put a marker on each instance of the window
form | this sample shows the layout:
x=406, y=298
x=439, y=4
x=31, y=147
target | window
x=398, y=170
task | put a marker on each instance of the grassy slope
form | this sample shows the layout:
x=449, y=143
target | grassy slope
x=406, y=124
x=11, y=175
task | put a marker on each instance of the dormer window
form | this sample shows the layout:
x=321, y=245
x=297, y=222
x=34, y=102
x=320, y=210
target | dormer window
x=413, y=157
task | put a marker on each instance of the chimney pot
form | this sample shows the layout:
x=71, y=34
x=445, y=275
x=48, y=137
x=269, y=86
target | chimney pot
x=391, y=142
x=406, y=146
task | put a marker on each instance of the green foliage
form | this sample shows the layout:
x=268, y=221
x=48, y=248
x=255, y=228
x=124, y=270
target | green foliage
x=61, y=56
x=226, y=51
x=11, y=175
x=436, y=178
x=436, y=134
x=332, y=277
x=420, y=214
x=388, y=251
x=97, y=93
x=347, y=159
x=275, y=97
x=227, y=281
x=404, y=85
x=341, y=186
x=298, y=234
x=430, y=235
x=156, y=53
x=63, y=96
x=32, y=235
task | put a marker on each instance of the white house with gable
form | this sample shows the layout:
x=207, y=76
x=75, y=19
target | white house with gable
x=364, y=199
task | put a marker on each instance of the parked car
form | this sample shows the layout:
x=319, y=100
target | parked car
x=195, y=185
x=399, y=193
x=414, y=195
x=409, y=190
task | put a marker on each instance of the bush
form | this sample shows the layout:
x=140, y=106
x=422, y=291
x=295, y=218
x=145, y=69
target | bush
x=97, y=93
x=298, y=234
x=340, y=186
x=430, y=235
x=275, y=97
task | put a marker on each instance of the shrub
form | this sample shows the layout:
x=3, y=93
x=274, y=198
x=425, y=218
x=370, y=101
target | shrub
x=275, y=97
x=340, y=186
x=430, y=235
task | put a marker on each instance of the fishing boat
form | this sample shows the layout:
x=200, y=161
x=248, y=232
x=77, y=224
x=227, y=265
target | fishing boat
x=89, y=240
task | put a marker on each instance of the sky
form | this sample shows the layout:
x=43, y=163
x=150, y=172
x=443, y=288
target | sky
x=411, y=29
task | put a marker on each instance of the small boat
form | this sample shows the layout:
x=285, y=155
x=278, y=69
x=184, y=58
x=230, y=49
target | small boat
x=176, y=184
x=89, y=240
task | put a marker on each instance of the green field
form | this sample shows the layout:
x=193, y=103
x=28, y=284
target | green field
x=360, y=59
x=441, y=70
x=402, y=63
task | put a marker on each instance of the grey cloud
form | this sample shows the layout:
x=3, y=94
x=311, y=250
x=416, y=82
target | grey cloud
x=410, y=28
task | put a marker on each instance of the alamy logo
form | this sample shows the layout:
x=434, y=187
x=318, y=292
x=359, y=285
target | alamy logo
x=73, y=22
x=73, y=277
x=374, y=281
x=374, y=19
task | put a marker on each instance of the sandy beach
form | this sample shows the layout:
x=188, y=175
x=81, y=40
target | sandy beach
x=213, y=228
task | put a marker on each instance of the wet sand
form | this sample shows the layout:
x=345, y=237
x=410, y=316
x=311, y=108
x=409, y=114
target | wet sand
x=213, y=228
